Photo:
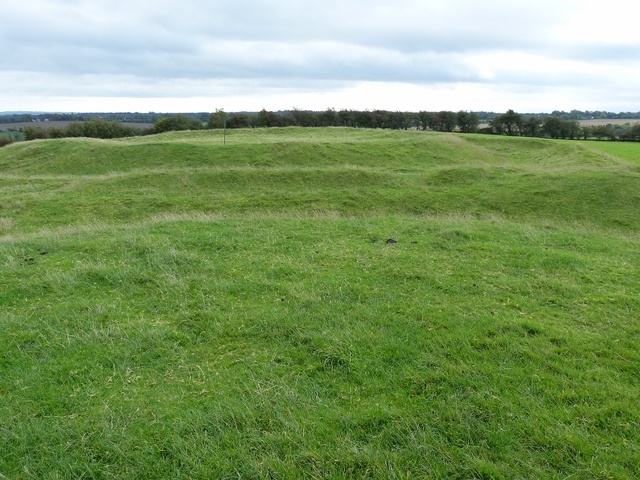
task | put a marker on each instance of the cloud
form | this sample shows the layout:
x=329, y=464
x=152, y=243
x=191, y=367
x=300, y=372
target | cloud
x=94, y=37
x=198, y=48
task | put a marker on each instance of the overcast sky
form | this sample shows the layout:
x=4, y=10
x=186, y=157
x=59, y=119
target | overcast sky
x=199, y=55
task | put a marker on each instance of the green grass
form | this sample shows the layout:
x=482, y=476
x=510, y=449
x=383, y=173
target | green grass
x=51, y=184
x=176, y=308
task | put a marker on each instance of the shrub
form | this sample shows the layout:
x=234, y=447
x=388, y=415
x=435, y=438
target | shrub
x=33, y=133
x=176, y=123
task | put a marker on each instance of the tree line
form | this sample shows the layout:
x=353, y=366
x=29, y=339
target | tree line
x=509, y=123
x=124, y=117
x=512, y=123
x=152, y=117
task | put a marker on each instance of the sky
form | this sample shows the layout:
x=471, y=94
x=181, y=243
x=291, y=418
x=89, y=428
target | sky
x=246, y=55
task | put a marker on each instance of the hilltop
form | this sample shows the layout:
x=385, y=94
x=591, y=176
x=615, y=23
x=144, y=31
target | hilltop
x=350, y=172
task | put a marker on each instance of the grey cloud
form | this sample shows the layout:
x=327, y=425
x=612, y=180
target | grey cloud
x=103, y=34
x=243, y=59
x=139, y=47
x=612, y=53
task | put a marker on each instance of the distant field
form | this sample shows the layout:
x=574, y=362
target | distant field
x=18, y=126
x=605, y=121
x=319, y=303
x=597, y=121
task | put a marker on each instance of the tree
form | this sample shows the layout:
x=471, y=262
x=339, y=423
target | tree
x=425, y=119
x=33, y=133
x=238, y=120
x=267, y=119
x=468, y=122
x=531, y=127
x=346, y=118
x=633, y=134
x=177, y=123
x=553, y=127
x=604, y=131
x=55, y=132
x=95, y=128
x=380, y=119
x=328, y=118
x=217, y=119
x=363, y=119
x=448, y=121
x=304, y=118
x=510, y=123
x=410, y=120
x=571, y=129
x=74, y=129
x=443, y=121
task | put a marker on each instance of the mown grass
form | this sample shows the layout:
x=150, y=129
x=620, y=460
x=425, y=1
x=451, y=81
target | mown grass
x=209, y=311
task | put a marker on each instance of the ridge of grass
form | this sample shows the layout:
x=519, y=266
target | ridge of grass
x=353, y=172
x=171, y=316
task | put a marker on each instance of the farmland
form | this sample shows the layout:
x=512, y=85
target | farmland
x=608, y=121
x=319, y=303
x=54, y=124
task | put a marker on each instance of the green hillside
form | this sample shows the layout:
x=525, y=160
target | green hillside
x=349, y=172
x=319, y=303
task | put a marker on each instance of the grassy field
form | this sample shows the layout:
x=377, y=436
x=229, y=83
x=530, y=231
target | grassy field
x=319, y=303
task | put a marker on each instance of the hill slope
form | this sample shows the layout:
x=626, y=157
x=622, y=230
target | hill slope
x=348, y=172
x=175, y=307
